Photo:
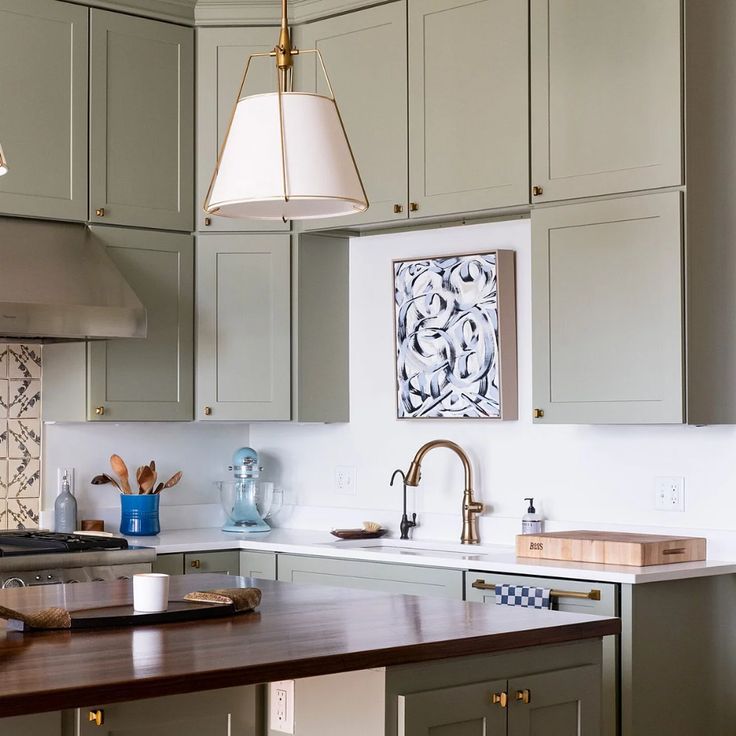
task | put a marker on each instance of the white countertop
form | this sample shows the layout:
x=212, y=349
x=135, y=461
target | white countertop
x=483, y=558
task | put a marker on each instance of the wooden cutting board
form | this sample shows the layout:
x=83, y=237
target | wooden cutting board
x=611, y=548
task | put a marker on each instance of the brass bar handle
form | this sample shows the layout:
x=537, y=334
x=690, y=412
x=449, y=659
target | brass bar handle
x=591, y=595
x=674, y=551
x=500, y=699
x=524, y=696
x=196, y=564
x=96, y=716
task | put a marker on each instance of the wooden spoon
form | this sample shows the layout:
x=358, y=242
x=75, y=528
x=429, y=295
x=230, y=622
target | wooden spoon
x=103, y=479
x=152, y=465
x=147, y=479
x=171, y=482
x=121, y=470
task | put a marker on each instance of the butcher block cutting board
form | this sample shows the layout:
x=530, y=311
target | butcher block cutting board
x=611, y=548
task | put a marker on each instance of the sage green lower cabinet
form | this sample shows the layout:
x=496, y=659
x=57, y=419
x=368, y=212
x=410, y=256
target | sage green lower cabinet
x=226, y=562
x=479, y=586
x=607, y=312
x=257, y=564
x=227, y=712
x=387, y=577
x=41, y=724
x=43, y=55
x=169, y=564
x=148, y=379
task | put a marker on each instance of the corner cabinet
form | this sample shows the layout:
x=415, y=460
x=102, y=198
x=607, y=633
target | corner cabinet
x=43, y=118
x=222, y=54
x=607, y=311
x=141, y=122
x=272, y=327
x=148, y=379
x=606, y=97
x=468, y=105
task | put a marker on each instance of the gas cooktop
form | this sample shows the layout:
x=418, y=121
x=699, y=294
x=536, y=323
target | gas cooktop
x=36, y=542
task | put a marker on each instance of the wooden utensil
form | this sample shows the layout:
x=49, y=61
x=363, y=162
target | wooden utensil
x=152, y=465
x=138, y=474
x=103, y=479
x=170, y=483
x=146, y=480
x=121, y=470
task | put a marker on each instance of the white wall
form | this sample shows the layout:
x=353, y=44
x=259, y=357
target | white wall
x=580, y=474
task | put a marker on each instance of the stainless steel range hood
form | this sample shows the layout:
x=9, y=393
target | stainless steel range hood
x=57, y=284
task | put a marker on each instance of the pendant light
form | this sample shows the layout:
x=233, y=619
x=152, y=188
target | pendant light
x=286, y=155
x=3, y=163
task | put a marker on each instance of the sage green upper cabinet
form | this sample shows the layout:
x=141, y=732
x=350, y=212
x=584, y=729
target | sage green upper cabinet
x=365, y=56
x=222, y=54
x=147, y=379
x=244, y=326
x=43, y=116
x=468, y=105
x=141, y=122
x=607, y=312
x=606, y=96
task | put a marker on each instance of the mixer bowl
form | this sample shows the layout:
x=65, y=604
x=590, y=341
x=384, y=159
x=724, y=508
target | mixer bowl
x=248, y=502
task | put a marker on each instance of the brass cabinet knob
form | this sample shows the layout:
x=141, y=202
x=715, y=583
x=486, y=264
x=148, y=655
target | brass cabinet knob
x=207, y=221
x=537, y=191
x=100, y=410
x=524, y=696
x=413, y=207
x=96, y=716
x=100, y=212
x=500, y=699
x=398, y=208
x=538, y=413
x=208, y=411
x=196, y=564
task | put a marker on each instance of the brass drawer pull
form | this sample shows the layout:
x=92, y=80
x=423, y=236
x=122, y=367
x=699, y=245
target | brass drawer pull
x=413, y=206
x=674, y=551
x=196, y=564
x=591, y=595
x=524, y=696
x=208, y=411
x=537, y=191
x=500, y=699
x=538, y=413
x=100, y=212
x=96, y=716
x=100, y=410
x=207, y=221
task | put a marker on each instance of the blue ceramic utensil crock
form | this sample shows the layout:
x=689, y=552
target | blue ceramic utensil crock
x=139, y=514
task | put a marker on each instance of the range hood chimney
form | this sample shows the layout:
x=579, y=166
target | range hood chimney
x=57, y=284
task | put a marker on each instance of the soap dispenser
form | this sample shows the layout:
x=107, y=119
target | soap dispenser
x=65, y=508
x=531, y=522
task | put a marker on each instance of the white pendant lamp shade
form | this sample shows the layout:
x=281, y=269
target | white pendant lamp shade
x=301, y=170
x=3, y=163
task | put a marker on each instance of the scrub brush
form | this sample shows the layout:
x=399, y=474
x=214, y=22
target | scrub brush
x=371, y=526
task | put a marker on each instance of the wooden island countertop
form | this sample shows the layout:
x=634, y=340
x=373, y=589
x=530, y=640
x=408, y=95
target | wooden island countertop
x=298, y=631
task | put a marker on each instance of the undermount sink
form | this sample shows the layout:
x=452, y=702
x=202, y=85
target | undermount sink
x=409, y=548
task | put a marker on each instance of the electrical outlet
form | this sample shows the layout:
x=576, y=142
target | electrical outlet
x=669, y=493
x=282, y=706
x=345, y=480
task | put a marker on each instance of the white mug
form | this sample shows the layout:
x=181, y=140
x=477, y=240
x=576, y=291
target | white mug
x=150, y=592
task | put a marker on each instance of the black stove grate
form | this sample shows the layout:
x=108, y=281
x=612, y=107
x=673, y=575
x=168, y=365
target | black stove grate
x=36, y=542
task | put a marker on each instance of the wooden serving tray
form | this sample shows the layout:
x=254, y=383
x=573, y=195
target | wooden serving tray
x=611, y=548
x=357, y=533
x=125, y=615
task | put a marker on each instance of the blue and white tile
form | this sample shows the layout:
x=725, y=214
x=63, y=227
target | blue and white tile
x=23, y=478
x=3, y=439
x=24, y=438
x=23, y=513
x=3, y=478
x=24, y=361
x=24, y=399
x=3, y=514
x=4, y=397
x=3, y=360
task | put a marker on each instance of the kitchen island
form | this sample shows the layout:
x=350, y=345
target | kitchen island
x=412, y=653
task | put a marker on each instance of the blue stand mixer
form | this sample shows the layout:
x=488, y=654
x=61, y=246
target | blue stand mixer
x=247, y=499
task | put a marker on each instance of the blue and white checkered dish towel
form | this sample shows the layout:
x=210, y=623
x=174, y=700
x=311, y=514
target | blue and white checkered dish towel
x=523, y=596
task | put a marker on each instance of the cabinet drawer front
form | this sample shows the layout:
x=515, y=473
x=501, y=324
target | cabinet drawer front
x=243, y=327
x=390, y=578
x=225, y=563
x=171, y=564
x=258, y=565
x=142, y=122
x=43, y=118
x=468, y=110
x=607, y=324
x=606, y=96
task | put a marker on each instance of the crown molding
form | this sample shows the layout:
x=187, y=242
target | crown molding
x=268, y=12
x=173, y=11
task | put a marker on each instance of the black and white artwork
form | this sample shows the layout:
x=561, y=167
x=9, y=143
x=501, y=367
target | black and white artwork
x=448, y=336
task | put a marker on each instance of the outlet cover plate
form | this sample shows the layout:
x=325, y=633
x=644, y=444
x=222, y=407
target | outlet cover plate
x=669, y=493
x=281, y=699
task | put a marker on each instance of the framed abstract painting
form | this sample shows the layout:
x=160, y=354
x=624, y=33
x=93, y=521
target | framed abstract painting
x=455, y=336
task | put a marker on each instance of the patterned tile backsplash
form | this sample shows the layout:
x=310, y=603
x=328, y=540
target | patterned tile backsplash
x=20, y=435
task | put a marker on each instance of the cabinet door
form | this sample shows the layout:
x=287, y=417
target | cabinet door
x=466, y=710
x=258, y=564
x=150, y=379
x=365, y=56
x=222, y=54
x=222, y=563
x=390, y=578
x=243, y=327
x=561, y=703
x=42, y=724
x=468, y=105
x=141, y=122
x=606, y=96
x=43, y=116
x=607, y=311
x=215, y=712
x=171, y=564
